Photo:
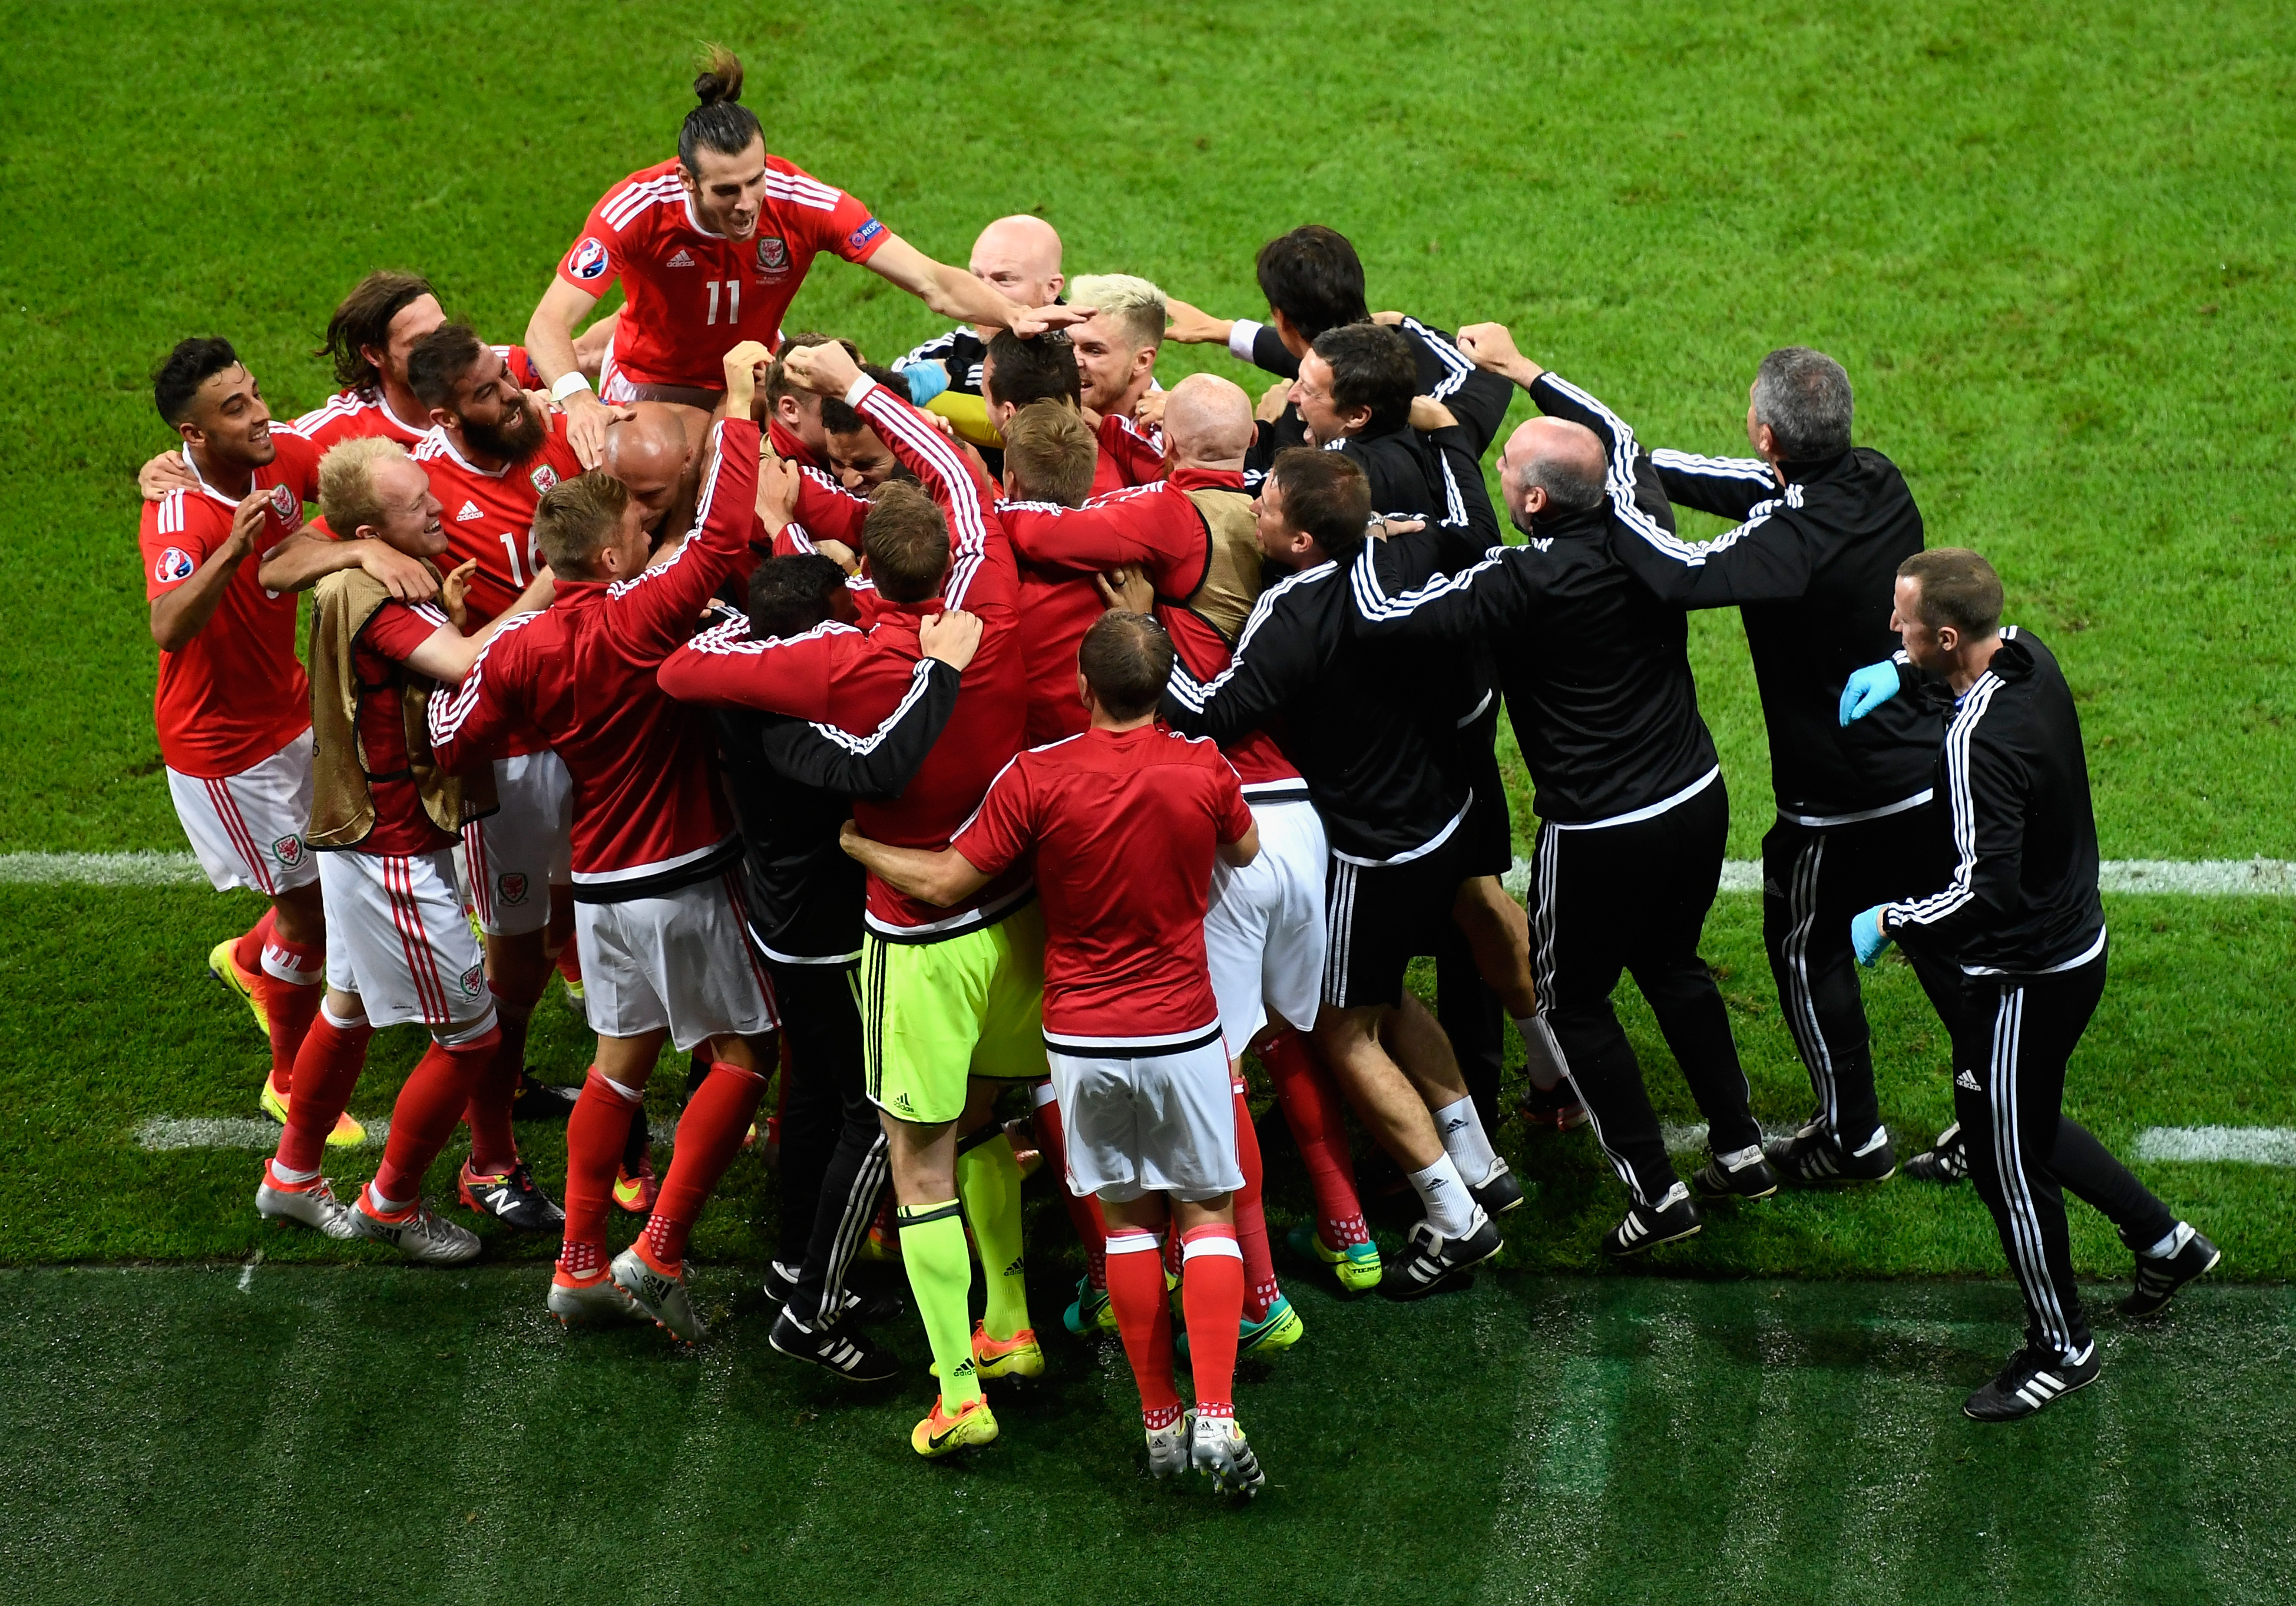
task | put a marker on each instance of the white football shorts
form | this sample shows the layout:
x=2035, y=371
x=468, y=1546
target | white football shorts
x=1157, y=1120
x=248, y=829
x=396, y=937
x=515, y=854
x=1264, y=932
x=680, y=961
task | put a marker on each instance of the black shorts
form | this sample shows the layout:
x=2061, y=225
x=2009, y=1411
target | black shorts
x=1487, y=835
x=1378, y=917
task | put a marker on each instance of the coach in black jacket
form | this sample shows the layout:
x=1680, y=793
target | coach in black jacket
x=1821, y=527
x=1632, y=814
x=2020, y=920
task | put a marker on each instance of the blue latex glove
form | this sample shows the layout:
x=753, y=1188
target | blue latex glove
x=1867, y=937
x=928, y=380
x=1868, y=689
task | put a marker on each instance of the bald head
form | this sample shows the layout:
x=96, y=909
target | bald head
x=1550, y=465
x=1207, y=422
x=1020, y=256
x=649, y=454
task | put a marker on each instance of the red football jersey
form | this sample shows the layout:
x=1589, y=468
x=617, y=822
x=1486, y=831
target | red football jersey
x=355, y=414
x=693, y=295
x=1123, y=825
x=236, y=692
x=489, y=512
x=648, y=814
x=400, y=824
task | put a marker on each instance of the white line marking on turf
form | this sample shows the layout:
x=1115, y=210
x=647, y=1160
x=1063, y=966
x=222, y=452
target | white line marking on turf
x=2198, y=878
x=101, y=870
x=2239, y=1145
x=247, y=1273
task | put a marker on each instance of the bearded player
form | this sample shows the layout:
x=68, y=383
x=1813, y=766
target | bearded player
x=711, y=247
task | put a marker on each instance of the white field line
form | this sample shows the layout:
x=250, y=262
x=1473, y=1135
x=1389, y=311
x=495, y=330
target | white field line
x=2241, y=1145
x=162, y=1133
x=2269, y=877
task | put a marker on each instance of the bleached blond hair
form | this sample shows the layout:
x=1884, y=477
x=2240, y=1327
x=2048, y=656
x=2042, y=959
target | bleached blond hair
x=348, y=497
x=1130, y=302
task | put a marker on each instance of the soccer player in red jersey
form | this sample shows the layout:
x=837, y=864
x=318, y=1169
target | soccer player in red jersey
x=383, y=826
x=233, y=709
x=655, y=859
x=1191, y=536
x=951, y=997
x=1124, y=823
x=712, y=245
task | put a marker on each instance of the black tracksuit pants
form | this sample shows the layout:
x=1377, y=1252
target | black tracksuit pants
x=1634, y=898
x=2012, y=1036
x=834, y=1164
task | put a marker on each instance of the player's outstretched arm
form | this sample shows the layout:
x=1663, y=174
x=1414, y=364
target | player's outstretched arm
x=939, y=878
x=550, y=346
x=480, y=720
x=881, y=765
x=166, y=472
x=954, y=293
x=725, y=667
x=446, y=654
x=1243, y=851
x=179, y=615
x=303, y=559
x=1491, y=348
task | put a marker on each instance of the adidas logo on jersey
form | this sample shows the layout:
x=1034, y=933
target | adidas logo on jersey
x=683, y=259
x=1967, y=1081
x=470, y=511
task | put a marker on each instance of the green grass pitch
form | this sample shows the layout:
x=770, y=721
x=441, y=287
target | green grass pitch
x=2052, y=247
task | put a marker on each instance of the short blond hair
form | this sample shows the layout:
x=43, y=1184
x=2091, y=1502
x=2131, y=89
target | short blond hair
x=348, y=497
x=1053, y=456
x=1130, y=302
x=574, y=518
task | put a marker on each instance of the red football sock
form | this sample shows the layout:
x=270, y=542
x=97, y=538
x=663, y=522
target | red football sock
x=1084, y=1210
x=290, y=980
x=1211, y=1291
x=330, y=1060
x=597, y=1130
x=428, y=1106
x=1135, y=1293
x=1259, y=1289
x=1319, y=1123
x=248, y=951
x=494, y=1148
x=569, y=963
x=708, y=1136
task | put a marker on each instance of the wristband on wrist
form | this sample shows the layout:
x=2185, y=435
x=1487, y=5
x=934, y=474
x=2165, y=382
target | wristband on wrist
x=570, y=381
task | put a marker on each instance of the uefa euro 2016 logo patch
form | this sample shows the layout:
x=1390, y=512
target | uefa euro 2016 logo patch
x=773, y=254
x=174, y=564
x=590, y=259
x=544, y=477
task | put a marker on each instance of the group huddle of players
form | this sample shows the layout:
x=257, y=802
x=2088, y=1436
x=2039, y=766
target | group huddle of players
x=998, y=719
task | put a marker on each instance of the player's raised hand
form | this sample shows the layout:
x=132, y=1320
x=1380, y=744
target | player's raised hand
x=1381, y=529
x=778, y=485
x=246, y=524
x=837, y=552
x=1273, y=401
x=827, y=370
x=1193, y=326
x=1429, y=414
x=1492, y=348
x=406, y=579
x=951, y=635
x=1149, y=410
x=454, y=591
x=163, y=474
x=745, y=365
x=1124, y=590
x=1391, y=317
x=1035, y=320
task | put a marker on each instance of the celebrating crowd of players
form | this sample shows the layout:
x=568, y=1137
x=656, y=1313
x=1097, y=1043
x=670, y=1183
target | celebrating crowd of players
x=1001, y=720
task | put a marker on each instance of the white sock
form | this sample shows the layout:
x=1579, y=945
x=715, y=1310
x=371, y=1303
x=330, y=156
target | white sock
x=1462, y=1131
x=1450, y=1207
x=381, y=1206
x=1741, y=1159
x=1542, y=1056
x=2178, y=1236
x=281, y=1173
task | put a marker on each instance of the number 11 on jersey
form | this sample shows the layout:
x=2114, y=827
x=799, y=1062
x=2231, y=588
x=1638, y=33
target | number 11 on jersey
x=732, y=288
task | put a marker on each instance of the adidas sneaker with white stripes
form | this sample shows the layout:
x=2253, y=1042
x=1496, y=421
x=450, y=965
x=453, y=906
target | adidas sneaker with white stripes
x=1672, y=1219
x=2033, y=1379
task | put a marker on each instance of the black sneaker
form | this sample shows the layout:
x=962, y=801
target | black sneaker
x=1556, y=1107
x=511, y=1198
x=2031, y=1380
x=1646, y=1226
x=1947, y=1160
x=1813, y=1158
x=1437, y=1261
x=2159, y=1279
x=542, y=1100
x=871, y=1305
x=1748, y=1180
x=848, y=1355
x=780, y=1280
x=1498, y=1192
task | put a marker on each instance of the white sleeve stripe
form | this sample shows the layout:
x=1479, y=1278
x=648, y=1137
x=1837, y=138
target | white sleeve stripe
x=1449, y=356
x=1962, y=804
x=1714, y=468
x=968, y=534
x=623, y=588
x=869, y=743
x=732, y=639
x=448, y=713
x=1184, y=686
x=1619, y=480
x=1374, y=603
x=983, y=803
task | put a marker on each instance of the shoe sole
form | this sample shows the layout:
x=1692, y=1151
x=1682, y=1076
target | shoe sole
x=589, y=1316
x=1009, y=1368
x=1825, y=1184
x=964, y=1437
x=1727, y=1194
x=1648, y=1243
x=2168, y=1297
x=1465, y=1268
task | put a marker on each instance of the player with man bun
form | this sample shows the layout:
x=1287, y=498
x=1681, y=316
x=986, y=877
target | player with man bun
x=711, y=247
